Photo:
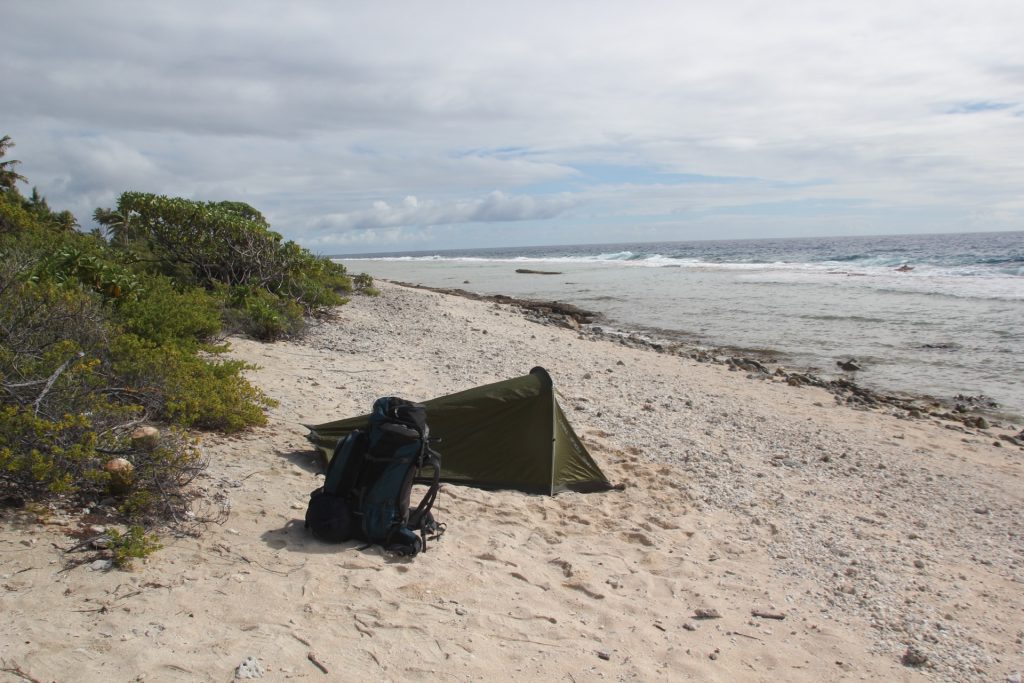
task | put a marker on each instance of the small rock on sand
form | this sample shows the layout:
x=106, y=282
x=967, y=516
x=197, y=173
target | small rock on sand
x=250, y=668
x=914, y=657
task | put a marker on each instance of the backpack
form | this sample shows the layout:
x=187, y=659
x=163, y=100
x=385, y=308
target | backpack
x=369, y=481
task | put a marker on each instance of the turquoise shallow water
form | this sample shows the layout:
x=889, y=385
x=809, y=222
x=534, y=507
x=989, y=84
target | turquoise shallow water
x=937, y=315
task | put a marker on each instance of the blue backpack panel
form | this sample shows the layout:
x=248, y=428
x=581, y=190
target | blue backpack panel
x=369, y=481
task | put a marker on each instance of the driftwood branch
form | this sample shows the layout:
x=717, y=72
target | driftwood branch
x=19, y=385
x=316, y=662
x=53, y=378
x=768, y=615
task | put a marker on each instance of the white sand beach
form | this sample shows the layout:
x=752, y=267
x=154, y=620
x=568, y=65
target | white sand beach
x=765, y=533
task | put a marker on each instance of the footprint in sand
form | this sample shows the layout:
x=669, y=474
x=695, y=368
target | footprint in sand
x=577, y=519
x=491, y=557
x=639, y=538
x=550, y=536
x=663, y=523
x=576, y=586
x=539, y=510
x=564, y=565
x=542, y=586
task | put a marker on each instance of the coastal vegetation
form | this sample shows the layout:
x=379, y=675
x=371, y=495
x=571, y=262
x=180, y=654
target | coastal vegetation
x=106, y=331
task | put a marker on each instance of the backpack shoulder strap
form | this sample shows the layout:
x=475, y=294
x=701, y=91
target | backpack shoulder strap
x=343, y=470
x=420, y=518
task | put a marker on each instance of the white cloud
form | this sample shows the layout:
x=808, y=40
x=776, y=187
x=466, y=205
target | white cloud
x=314, y=111
x=496, y=207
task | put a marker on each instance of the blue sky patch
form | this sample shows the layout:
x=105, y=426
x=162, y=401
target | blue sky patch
x=978, y=107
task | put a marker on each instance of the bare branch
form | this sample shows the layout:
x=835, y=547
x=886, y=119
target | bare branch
x=53, y=378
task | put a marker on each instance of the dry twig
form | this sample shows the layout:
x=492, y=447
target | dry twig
x=17, y=671
x=312, y=657
x=768, y=615
x=53, y=378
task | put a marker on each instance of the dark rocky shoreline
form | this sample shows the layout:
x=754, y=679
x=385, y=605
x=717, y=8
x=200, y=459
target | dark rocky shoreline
x=967, y=413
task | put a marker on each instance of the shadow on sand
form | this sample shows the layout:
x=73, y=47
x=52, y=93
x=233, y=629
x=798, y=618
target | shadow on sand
x=295, y=538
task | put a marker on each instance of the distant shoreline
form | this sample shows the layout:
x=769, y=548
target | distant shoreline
x=971, y=411
x=619, y=246
x=943, y=329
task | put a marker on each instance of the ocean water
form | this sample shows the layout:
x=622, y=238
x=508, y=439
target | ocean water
x=934, y=315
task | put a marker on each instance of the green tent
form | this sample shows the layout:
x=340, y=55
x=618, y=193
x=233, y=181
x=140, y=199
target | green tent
x=506, y=435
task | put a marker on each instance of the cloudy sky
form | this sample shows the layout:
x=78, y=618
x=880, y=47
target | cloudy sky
x=362, y=127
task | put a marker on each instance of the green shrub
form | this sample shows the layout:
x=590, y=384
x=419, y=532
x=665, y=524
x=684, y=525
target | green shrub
x=41, y=326
x=163, y=313
x=262, y=315
x=133, y=544
x=90, y=268
x=98, y=335
x=42, y=455
x=54, y=403
x=222, y=243
x=13, y=216
x=183, y=388
x=364, y=285
x=156, y=485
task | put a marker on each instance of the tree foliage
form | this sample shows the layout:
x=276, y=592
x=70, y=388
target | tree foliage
x=101, y=332
x=8, y=176
x=79, y=369
x=228, y=247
